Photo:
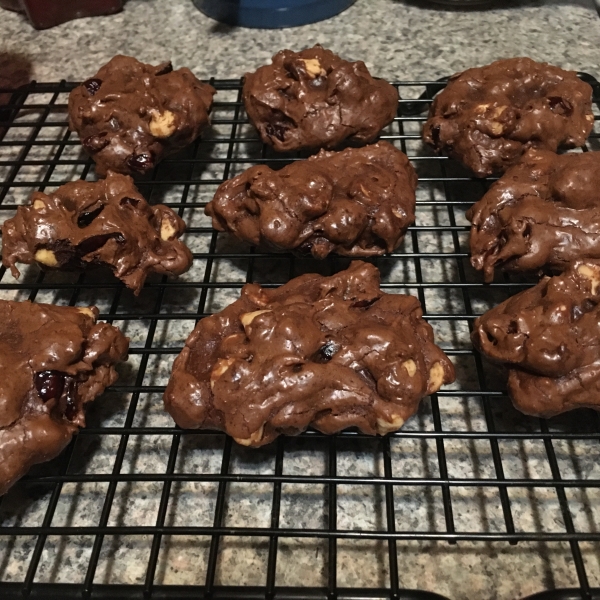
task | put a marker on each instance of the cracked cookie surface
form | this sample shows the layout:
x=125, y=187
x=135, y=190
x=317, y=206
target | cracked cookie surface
x=53, y=361
x=314, y=99
x=542, y=213
x=90, y=223
x=357, y=202
x=130, y=115
x=548, y=337
x=487, y=117
x=326, y=352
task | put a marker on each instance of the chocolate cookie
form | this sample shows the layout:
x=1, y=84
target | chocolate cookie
x=489, y=116
x=549, y=338
x=103, y=222
x=543, y=213
x=357, y=202
x=130, y=115
x=327, y=352
x=53, y=361
x=314, y=99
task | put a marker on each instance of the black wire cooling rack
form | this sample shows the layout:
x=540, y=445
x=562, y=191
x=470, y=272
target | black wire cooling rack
x=471, y=500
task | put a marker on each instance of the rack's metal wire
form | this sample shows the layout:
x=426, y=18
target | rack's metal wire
x=38, y=152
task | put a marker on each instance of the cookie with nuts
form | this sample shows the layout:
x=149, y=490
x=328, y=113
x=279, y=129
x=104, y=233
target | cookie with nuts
x=543, y=213
x=324, y=352
x=314, y=99
x=105, y=222
x=53, y=361
x=547, y=337
x=130, y=115
x=487, y=117
x=357, y=202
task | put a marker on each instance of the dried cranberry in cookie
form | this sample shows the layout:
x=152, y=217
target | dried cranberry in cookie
x=53, y=361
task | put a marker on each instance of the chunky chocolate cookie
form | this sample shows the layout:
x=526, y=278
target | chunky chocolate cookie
x=103, y=222
x=543, y=213
x=327, y=352
x=314, y=99
x=549, y=338
x=489, y=116
x=357, y=202
x=53, y=361
x=130, y=115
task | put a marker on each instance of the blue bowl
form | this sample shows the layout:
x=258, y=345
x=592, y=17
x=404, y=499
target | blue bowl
x=271, y=14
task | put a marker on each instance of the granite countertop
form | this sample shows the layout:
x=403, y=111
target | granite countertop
x=398, y=40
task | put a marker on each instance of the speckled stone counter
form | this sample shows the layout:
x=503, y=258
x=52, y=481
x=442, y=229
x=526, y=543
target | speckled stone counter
x=398, y=40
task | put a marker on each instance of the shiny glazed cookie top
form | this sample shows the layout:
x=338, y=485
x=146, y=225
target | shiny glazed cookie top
x=357, y=202
x=487, y=117
x=130, y=115
x=327, y=352
x=314, y=99
x=104, y=222
x=543, y=213
x=549, y=339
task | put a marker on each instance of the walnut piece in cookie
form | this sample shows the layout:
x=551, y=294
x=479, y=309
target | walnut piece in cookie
x=323, y=352
x=357, y=202
x=104, y=222
x=53, y=361
x=314, y=99
x=487, y=117
x=130, y=115
x=547, y=337
x=543, y=213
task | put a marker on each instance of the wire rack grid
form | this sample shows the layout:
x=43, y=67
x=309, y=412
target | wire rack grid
x=470, y=500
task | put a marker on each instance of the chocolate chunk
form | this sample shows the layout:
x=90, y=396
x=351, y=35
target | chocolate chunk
x=92, y=85
x=314, y=99
x=276, y=130
x=53, y=361
x=548, y=338
x=164, y=68
x=105, y=222
x=86, y=218
x=326, y=352
x=131, y=115
x=560, y=105
x=358, y=202
x=131, y=201
x=95, y=143
x=277, y=361
x=543, y=213
x=489, y=116
x=94, y=243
